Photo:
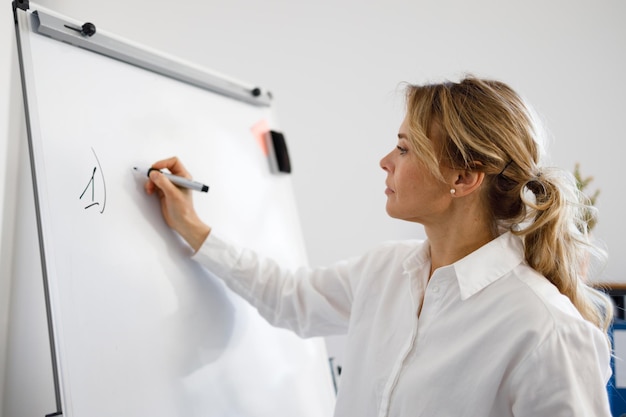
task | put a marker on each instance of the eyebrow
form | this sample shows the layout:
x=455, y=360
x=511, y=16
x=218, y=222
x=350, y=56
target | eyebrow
x=402, y=136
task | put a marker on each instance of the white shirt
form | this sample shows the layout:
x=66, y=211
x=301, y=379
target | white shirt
x=485, y=337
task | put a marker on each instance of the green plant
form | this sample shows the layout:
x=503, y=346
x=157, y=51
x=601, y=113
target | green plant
x=583, y=183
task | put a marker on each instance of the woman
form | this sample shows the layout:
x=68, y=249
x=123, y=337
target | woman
x=490, y=316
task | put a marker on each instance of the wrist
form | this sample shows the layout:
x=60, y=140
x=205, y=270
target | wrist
x=195, y=234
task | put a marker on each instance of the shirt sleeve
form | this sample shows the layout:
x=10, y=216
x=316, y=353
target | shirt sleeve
x=310, y=302
x=565, y=376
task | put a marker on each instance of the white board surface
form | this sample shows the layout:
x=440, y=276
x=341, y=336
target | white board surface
x=140, y=329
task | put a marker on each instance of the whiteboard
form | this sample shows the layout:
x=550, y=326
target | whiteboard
x=137, y=327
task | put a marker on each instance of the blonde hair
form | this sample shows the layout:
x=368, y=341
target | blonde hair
x=484, y=125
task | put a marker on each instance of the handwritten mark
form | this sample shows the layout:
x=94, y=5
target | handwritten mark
x=91, y=185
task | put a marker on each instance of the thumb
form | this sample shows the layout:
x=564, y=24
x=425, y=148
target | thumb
x=162, y=182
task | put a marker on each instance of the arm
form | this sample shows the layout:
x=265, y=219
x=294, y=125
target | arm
x=309, y=302
x=177, y=203
x=566, y=375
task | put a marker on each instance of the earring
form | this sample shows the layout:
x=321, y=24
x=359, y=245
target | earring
x=452, y=191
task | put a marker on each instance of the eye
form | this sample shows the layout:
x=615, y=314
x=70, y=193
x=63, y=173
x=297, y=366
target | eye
x=402, y=150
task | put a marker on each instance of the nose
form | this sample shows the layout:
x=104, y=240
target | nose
x=385, y=162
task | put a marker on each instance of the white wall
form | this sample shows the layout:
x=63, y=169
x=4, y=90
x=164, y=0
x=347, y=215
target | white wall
x=334, y=67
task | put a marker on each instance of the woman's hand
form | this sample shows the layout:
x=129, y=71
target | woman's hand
x=177, y=203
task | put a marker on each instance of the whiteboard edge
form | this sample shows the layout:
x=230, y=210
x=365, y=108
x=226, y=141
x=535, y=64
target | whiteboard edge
x=57, y=26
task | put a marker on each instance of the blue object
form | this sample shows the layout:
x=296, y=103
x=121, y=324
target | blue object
x=617, y=396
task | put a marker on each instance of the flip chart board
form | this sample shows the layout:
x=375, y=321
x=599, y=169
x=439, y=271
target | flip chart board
x=137, y=328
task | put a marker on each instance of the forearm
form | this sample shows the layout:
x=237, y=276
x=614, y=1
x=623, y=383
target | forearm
x=194, y=232
x=311, y=302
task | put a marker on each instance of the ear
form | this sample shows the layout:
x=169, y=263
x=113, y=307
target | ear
x=466, y=181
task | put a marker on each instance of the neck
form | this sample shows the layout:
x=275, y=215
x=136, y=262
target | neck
x=448, y=245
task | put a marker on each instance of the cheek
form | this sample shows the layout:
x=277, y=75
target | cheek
x=412, y=177
x=420, y=183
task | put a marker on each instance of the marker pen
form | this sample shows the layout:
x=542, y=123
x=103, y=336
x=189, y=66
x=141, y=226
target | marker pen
x=180, y=181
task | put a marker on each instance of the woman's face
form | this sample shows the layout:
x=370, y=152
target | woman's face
x=413, y=193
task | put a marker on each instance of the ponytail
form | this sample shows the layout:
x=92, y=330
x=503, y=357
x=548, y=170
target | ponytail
x=557, y=242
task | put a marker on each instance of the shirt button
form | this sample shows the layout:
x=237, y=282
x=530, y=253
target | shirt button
x=435, y=289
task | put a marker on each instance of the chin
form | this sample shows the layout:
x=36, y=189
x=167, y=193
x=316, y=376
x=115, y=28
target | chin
x=391, y=213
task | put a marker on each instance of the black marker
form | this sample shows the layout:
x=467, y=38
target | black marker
x=180, y=181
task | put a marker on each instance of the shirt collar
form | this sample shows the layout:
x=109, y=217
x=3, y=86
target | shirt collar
x=488, y=263
x=417, y=257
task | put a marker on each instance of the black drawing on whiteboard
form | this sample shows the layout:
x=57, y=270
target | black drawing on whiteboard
x=95, y=192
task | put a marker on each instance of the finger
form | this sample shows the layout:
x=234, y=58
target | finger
x=174, y=165
x=149, y=187
x=162, y=183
